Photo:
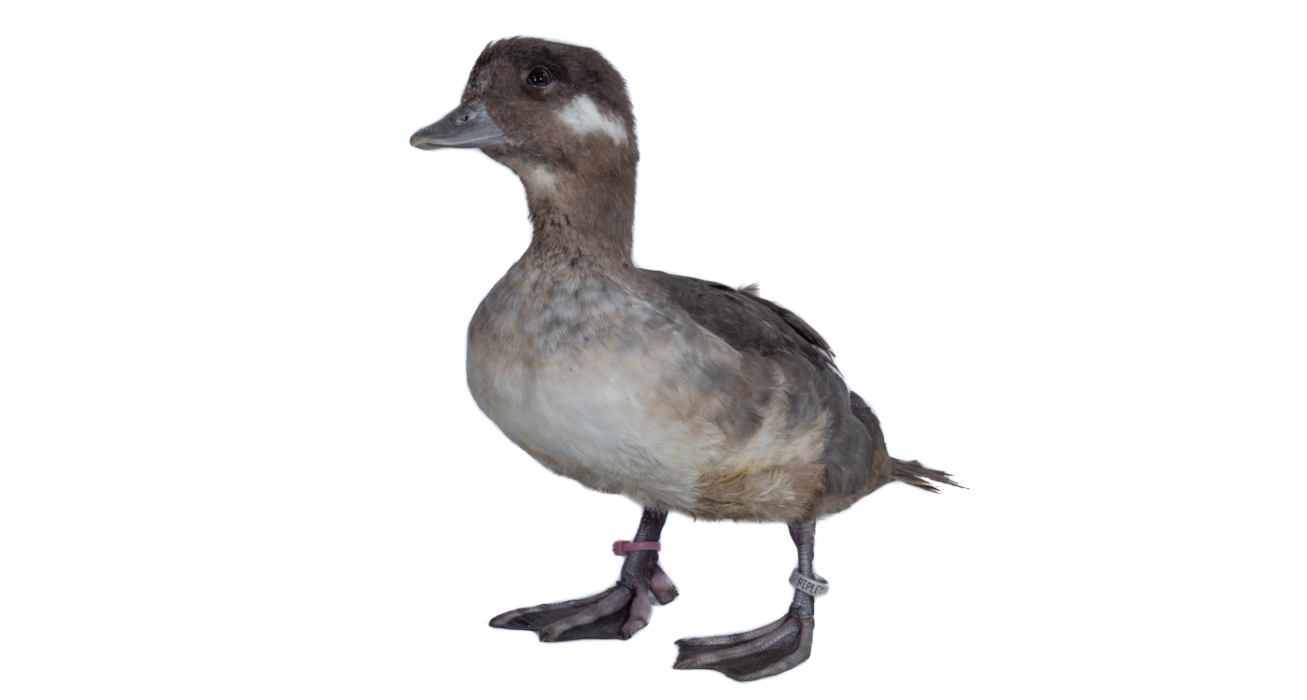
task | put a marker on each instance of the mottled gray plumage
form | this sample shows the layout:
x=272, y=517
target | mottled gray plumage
x=678, y=393
x=756, y=326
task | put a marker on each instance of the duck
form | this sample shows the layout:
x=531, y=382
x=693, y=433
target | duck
x=682, y=395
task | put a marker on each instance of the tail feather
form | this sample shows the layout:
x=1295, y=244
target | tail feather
x=908, y=472
x=920, y=476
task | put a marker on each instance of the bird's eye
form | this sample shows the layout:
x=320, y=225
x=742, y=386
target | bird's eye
x=539, y=77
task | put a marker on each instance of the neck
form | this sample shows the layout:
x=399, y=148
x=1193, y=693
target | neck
x=581, y=214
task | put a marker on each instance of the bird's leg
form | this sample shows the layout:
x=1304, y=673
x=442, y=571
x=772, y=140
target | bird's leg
x=617, y=613
x=773, y=648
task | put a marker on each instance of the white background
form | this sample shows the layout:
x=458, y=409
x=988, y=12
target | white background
x=1060, y=251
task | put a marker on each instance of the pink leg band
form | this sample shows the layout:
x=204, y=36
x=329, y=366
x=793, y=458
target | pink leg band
x=621, y=547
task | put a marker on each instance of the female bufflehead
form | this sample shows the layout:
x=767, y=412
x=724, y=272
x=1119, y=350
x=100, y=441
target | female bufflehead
x=681, y=394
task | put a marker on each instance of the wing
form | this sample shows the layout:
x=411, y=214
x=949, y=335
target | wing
x=754, y=325
x=746, y=321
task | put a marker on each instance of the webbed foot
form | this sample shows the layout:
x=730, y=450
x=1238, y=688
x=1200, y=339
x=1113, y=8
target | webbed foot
x=617, y=613
x=748, y=656
x=770, y=649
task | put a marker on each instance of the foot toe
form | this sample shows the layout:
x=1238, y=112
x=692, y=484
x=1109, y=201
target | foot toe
x=537, y=617
x=606, y=615
x=748, y=656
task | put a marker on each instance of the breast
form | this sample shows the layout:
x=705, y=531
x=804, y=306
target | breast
x=600, y=384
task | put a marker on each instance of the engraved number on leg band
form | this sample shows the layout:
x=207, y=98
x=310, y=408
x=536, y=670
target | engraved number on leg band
x=815, y=586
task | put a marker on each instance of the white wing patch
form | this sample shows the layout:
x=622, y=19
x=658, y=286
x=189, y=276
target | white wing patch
x=583, y=115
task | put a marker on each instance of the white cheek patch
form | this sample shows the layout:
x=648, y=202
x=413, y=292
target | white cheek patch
x=583, y=115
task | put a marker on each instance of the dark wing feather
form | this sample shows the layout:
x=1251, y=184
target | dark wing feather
x=746, y=321
x=800, y=326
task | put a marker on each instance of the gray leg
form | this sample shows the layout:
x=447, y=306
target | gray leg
x=770, y=649
x=804, y=536
x=617, y=613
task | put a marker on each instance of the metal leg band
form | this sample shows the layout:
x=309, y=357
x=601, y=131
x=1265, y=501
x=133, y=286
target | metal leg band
x=815, y=586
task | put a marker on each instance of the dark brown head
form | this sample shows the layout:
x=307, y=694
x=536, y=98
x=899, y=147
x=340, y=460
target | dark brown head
x=558, y=115
x=544, y=109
